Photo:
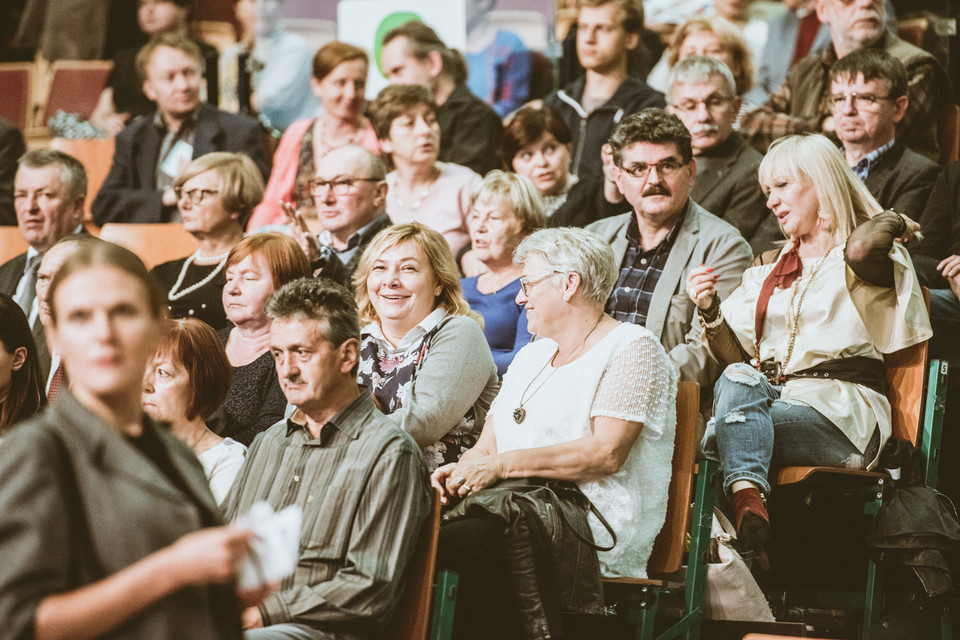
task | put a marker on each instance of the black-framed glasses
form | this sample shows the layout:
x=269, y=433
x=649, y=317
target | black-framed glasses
x=526, y=285
x=196, y=196
x=713, y=103
x=665, y=168
x=861, y=101
x=341, y=186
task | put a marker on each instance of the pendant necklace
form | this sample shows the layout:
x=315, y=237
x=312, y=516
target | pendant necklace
x=520, y=414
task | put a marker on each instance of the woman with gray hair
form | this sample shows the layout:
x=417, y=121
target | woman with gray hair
x=593, y=403
x=506, y=209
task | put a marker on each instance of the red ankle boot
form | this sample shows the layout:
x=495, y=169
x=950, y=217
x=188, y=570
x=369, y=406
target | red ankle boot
x=753, y=522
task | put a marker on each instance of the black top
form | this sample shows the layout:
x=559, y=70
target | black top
x=585, y=204
x=470, y=131
x=254, y=403
x=205, y=303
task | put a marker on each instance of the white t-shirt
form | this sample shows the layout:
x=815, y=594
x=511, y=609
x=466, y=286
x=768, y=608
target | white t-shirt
x=221, y=463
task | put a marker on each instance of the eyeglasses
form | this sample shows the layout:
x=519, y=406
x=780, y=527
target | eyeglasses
x=861, y=101
x=340, y=186
x=665, y=168
x=196, y=196
x=713, y=103
x=526, y=285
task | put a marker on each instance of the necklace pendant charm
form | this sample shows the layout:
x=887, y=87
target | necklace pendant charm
x=519, y=415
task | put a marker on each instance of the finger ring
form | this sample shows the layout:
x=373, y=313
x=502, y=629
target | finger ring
x=468, y=488
x=459, y=480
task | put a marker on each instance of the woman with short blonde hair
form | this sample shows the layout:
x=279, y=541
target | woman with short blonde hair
x=423, y=354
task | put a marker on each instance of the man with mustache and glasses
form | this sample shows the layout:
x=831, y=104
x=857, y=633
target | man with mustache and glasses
x=665, y=236
x=803, y=102
x=702, y=93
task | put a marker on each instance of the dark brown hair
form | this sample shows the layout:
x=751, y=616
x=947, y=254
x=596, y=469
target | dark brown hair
x=873, y=64
x=395, y=100
x=526, y=126
x=25, y=396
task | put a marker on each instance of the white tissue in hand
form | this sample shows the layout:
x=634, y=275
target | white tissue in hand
x=274, y=545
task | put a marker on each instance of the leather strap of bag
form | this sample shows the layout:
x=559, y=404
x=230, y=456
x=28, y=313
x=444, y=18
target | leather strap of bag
x=592, y=508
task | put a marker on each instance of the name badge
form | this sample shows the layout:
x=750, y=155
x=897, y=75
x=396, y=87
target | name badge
x=177, y=159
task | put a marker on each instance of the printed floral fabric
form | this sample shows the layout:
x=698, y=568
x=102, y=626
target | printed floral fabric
x=391, y=376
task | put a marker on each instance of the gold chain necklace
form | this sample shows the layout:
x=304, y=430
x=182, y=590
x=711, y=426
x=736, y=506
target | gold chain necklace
x=520, y=414
x=780, y=376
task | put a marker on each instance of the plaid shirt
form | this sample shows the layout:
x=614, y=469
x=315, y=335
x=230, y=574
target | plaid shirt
x=639, y=274
x=802, y=103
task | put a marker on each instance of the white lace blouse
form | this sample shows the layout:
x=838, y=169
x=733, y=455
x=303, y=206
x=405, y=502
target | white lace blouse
x=626, y=375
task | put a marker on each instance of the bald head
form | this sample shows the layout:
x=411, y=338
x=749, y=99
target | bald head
x=361, y=177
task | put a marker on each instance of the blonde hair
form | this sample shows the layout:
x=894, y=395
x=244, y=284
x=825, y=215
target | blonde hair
x=518, y=193
x=729, y=36
x=438, y=254
x=241, y=185
x=844, y=200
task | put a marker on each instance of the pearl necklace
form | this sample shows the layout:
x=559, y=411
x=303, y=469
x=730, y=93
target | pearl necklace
x=413, y=206
x=176, y=293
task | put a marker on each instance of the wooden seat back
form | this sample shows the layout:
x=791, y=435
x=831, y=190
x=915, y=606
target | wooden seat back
x=16, y=79
x=96, y=156
x=75, y=87
x=154, y=243
x=412, y=620
x=12, y=243
x=949, y=133
x=668, y=548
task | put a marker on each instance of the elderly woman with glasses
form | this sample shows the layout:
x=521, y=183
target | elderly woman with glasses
x=592, y=402
x=215, y=195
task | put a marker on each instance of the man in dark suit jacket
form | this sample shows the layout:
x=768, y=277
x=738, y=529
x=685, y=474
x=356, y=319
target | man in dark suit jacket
x=11, y=148
x=154, y=149
x=350, y=193
x=703, y=95
x=869, y=97
x=50, y=189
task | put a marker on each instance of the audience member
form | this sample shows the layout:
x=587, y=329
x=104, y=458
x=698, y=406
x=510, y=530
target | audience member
x=868, y=97
x=803, y=382
x=506, y=209
x=153, y=151
x=737, y=13
x=188, y=379
x=421, y=188
x=665, y=236
x=537, y=144
x=271, y=63
x=937, y=258
x=607, y=31
x=256, y=267
x=423, y=354
x=359, y=480
x=591, y=407
x=470, y=129
x=215, y=195
x=51, y=364
x=791, y=36
x=802, y=103
x=350, y=196
x=12, y=146
x=339, y=80
x=21, y=385
x=123, y=98
x=703, y=95
x=500, y=65
x=714, y=38
x=118, y=533
x=49, y=191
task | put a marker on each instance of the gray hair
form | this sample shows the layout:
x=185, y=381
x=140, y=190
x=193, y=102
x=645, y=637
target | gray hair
x=371, y=162
x=72, y=174
x=327, y=302
x=518, y=193
x=573, y=250
x=700, y=69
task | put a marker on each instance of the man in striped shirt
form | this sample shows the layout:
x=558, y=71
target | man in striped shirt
x=361, y=481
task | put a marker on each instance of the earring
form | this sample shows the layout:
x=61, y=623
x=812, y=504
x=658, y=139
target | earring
x=821, y=214
x=16, y=367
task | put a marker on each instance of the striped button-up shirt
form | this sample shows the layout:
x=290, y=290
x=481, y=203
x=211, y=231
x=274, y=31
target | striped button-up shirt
x=364, y=491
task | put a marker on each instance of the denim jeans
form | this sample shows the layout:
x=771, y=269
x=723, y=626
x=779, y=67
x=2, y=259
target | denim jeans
x=945, y=318
x=755, y=431
x=290, y=631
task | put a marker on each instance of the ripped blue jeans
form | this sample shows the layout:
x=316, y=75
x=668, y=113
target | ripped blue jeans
x=756, y=431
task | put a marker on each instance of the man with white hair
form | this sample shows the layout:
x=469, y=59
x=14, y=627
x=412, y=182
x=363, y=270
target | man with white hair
x=702, y=93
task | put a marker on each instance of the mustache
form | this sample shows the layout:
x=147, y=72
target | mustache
x=656, y=190
x=705, y=128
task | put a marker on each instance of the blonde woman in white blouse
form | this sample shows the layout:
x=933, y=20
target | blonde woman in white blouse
x=805, y=333
x=592, y=401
